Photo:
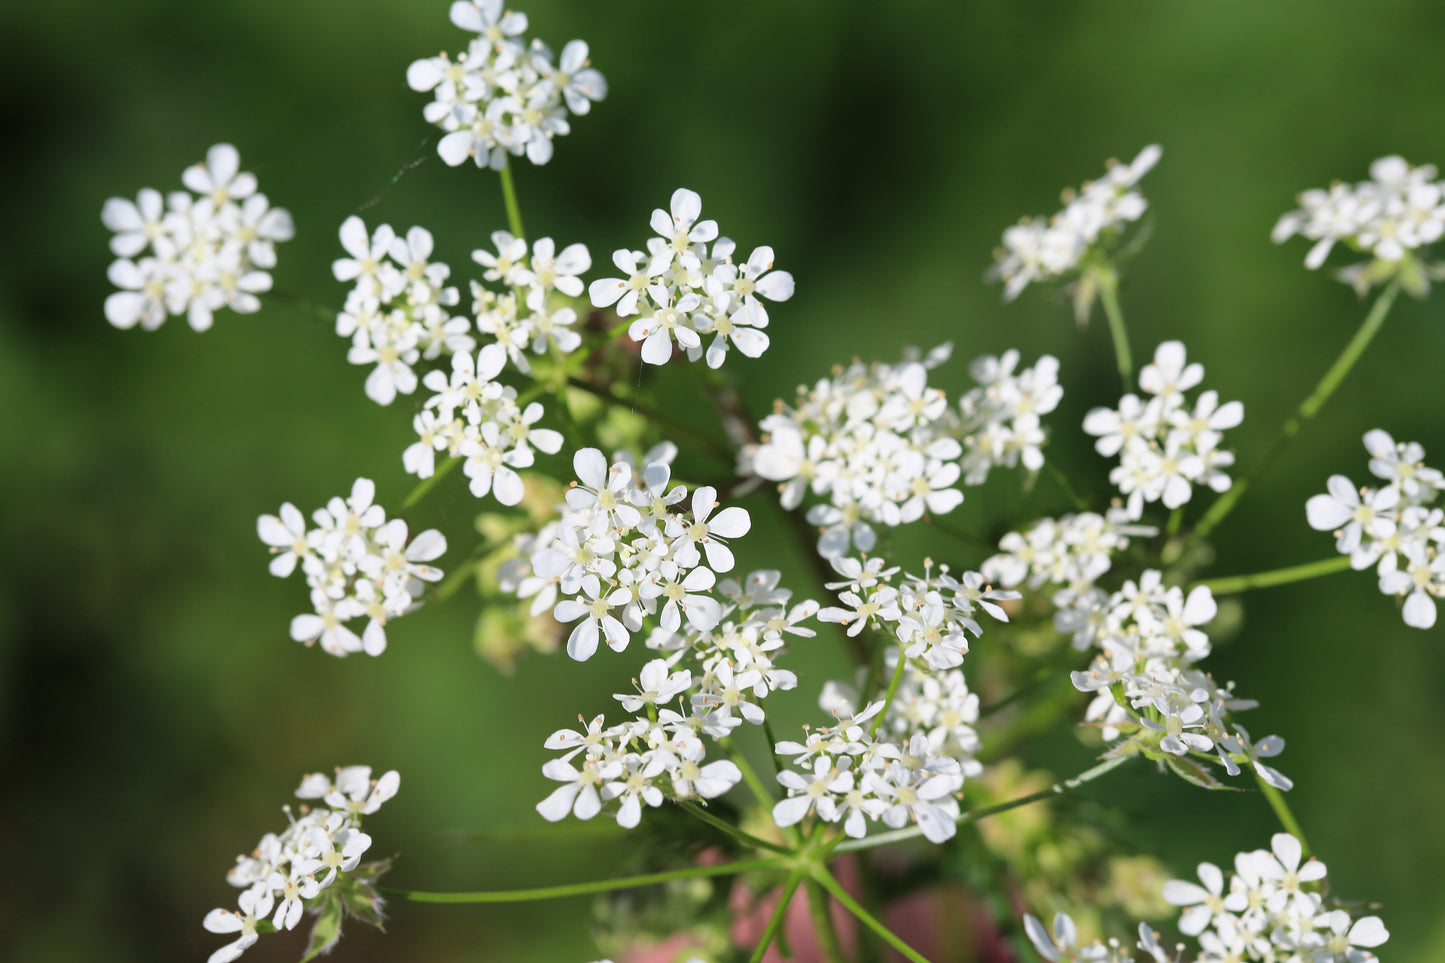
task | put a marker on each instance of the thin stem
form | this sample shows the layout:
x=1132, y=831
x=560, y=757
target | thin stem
x=1278, y=576
x=974, y=815
x=1055, y=472
x=657, y=417
x=826, y=880
x=582, y=889
x=1109, y=297
x=759, y=791
x=1307, y=410
x=730, y=829
x=822, y=915
x=893, y=684
x=1066, y=657
x=775, y=923
x=425, y=485
x=972, y=541
x=509, y=197
x=1282, y=810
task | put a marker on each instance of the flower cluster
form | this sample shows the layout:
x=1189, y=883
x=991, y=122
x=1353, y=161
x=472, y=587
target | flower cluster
x=473, y=416
x=1165, y=445
x=1000, y=418
x=1398, y=210
x=855, y=778
x=1149, y=639
x=884, y=448
x=910, y=771
x=503, y=95
x=717, y=675
x=1039, y=249
x=1393, y=527
x=1269, y=908
x=523, y=315
x=680, y=291
x=357, y=565
x=288, y=872
x=626, y=549
x=193, y=253
x=930, y=615
x=1071, y=552
x=638, y=762
x=397, y=311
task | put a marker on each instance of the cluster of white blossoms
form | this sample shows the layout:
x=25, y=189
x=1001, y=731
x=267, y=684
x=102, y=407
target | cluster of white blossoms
x=357, y=564
x=525, y=314
x=1269, y=909
x=882, y=447
x=629, y=545
x=911, y=761
x=193, y=253
x=717, y=677
x=1070, y=552
x=999, y=420
x=931, y=615
x=397, y=313
x=680, y=291
x=1399, y=209
x=471, y=415
x=1149, y=640
x=1165, y=444
x=1039, y=249
x=503, y=95
x=1393, y=527
x=289, y=870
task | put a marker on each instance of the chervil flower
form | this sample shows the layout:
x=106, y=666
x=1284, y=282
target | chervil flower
x=1204, y=903
x=1282, y=867
x=1392, y=216
x=1086, y=231
x=593, y=618
x=207, y=251
x=503, y=95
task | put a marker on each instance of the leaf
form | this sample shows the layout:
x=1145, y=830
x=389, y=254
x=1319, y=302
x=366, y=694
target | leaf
x=327, y=929
x=1195, y=772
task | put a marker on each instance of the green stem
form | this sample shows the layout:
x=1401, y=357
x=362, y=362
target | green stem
x=1055, y=472
x=425, y=485
x=1282, y=810
x=1307, y=410
x=822, y=915
x=775, y=923
x=893, y=684
x=657, y=417
x=727, y=827
x=582, y=889
x=1278, y=576
x=973, y=541
x=974, y=815
x=826, y=880
x=759, y=791
x=1109, y=297
x=509, y=197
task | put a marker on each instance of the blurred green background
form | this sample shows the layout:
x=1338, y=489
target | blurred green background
x=155, y=714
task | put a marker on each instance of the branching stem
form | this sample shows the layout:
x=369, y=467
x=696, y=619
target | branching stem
x=1279, y=576
x=583, y=889
x=1307, y=410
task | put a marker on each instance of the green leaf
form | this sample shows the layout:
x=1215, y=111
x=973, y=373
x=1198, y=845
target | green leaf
x=327, y=929
x=1194, y=772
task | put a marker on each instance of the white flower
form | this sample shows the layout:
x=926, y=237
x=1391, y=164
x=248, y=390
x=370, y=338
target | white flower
x=593, y=618
x=207, y=251
x=680, y=291
x=503, y=95
x=1204, y=902
x=1091, y=221
x=1282, y=867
